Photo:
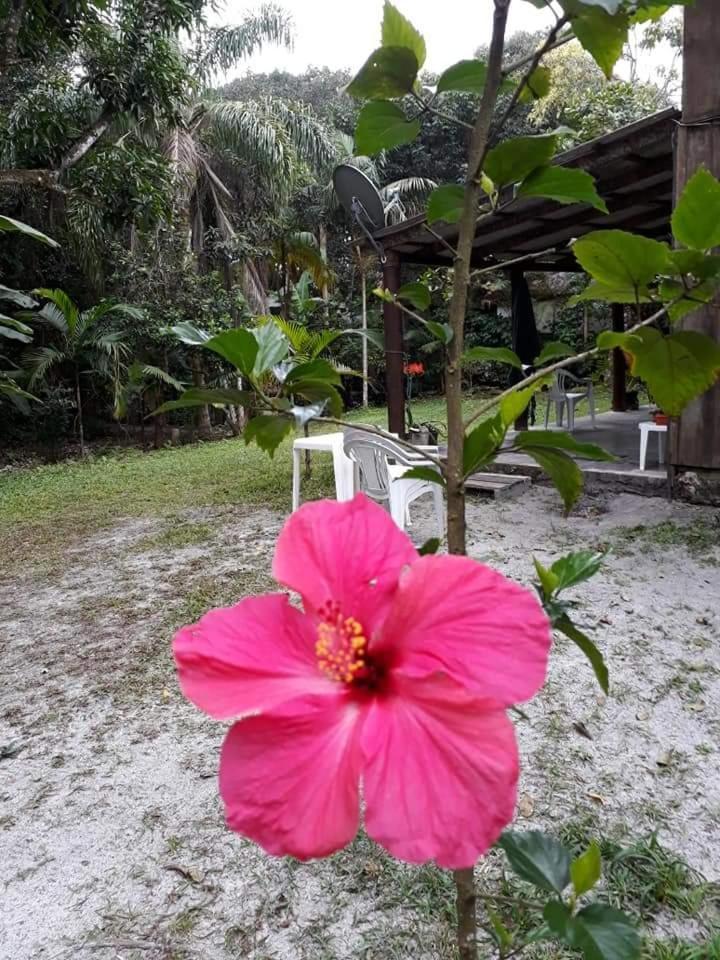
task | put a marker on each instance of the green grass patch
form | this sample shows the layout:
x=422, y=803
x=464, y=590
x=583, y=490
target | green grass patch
x=700, y=537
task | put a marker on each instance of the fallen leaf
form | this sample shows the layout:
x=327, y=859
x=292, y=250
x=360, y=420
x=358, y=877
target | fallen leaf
x=526, y=805
x=580, y=727
x=597, y=798
x=11, y=749
x=190, y=873
x=642, y=714
x=665, y=758
x=697, y=707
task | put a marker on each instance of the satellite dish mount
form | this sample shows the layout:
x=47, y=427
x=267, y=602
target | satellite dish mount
x=362, y=203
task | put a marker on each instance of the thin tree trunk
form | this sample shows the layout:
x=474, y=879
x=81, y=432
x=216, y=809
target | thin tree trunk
x=87, y=141
x=322, y=234
x=464, y=879
x=198, y=376
x=78, y=403
x=363, y=289
x=12, y=23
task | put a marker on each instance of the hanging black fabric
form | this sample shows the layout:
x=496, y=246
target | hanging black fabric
x=525, y=339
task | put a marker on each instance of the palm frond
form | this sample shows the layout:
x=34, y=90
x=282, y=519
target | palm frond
x=40, y=361
x=224, y=47
x=60, y=313
x=253, y=287
x=412, y=191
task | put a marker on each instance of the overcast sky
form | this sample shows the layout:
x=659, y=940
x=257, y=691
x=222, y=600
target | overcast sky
x=343, y=33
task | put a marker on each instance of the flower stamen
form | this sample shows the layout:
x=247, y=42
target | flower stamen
x=341, y=646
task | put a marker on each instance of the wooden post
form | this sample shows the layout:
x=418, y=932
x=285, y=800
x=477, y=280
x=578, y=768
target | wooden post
x=695, y=436
x=619, y=366
x=393, y=322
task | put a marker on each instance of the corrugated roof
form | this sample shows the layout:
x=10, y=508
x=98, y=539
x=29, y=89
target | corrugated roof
x=633, y=168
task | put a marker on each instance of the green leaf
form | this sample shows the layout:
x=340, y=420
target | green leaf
x=13, y=329
x=559, y=440
x=586, y=869
x=677, y=368
x=514, y=159
x=537, y=86
x=430, y=474
x=696, y=218
x=239, y=347
x=441, y=331
x=515, y=403
x=496, y=354
x=446, y=203
x=429, y=547
x=562, y=470
x=15, y=296
x=557, y=916
x=201, y=397
x=317, y=369
x=267, y=431
x=17, y=226
x=604, y=933
x=602, y=34
x=565, y=625
x=318, y=390
x=548, y=580
x=564, y=184
x=702, y=266
x=273, y=347
x=576, y=568
x=612, y=294
x=468, y=76
x=415, y=293
x=389, y=72
x=620, y=259
x=537, y=858
x=680, y=301
x=482, y=443
x=554, y=350
x=397, y=31
x=191, y=334
x=381, y=126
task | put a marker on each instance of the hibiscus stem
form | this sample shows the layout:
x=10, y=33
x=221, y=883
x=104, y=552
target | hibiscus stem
x=455, y=475
x=466, y=914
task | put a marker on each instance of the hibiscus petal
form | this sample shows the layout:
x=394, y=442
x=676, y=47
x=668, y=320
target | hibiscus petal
x=351, y=553
x=290, y=779
x=249, y=657
x=458, y=616
x=441, y=770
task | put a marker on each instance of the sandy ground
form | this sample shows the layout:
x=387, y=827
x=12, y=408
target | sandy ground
x=113, y=843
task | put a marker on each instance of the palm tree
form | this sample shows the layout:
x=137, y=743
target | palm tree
x=84, y=344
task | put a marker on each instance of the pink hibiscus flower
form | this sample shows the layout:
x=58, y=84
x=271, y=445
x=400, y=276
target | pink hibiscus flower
x=397, y=673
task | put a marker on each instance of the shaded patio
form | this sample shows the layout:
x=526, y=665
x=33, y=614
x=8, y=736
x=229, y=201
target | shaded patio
x=616, y=432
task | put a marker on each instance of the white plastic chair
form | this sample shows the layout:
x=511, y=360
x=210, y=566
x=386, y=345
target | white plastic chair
x=381, y=466
x=566, y=392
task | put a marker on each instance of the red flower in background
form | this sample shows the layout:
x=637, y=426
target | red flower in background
x=414, y=369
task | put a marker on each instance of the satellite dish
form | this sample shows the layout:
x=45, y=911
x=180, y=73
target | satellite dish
x=359, y=198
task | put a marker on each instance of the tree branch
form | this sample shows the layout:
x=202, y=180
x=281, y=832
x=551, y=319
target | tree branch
x=87, y=141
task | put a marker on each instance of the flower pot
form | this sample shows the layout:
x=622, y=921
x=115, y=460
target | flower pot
x=661, y=419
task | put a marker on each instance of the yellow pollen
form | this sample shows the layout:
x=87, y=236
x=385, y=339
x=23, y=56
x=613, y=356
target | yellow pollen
x=341, y=645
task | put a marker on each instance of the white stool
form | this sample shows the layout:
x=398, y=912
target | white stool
x=645, y=429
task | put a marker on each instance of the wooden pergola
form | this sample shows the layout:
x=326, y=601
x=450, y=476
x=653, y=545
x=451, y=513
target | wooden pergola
x=638, y=170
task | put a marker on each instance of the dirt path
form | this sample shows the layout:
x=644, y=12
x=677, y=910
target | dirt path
x=112, y=835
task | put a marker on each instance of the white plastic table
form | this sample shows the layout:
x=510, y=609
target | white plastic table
x=343, y=466
x=645, y=430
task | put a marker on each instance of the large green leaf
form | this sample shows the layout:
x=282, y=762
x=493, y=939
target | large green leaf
x=482, y=443
x=515, y=403
x=273, y=347
x=429, y=474
x=468, y=76
x=612, y=294
x=495, y=354
x=318, y=390
x=677, y=368
x=201, y=397
x=565, y=625
x=696, y=218
x=585, y=870
x=239, y=347
x=15, y=296
x=538, y=859
x=514, y=159
x=397, y=31
x=604, y=933
x=680, y=301
x=564, y=184
x=13, y=329
x=415, y=293
x=446, y=203
x=17, y=226
x=389, y=72
x=562, y=470
x=603, y=34
x=553, y=350
x=316, y=369
x=701, y=266
x=620, y=259
x=381, y=126
x=268, y=431
x=559, y=440
x=190, y=334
